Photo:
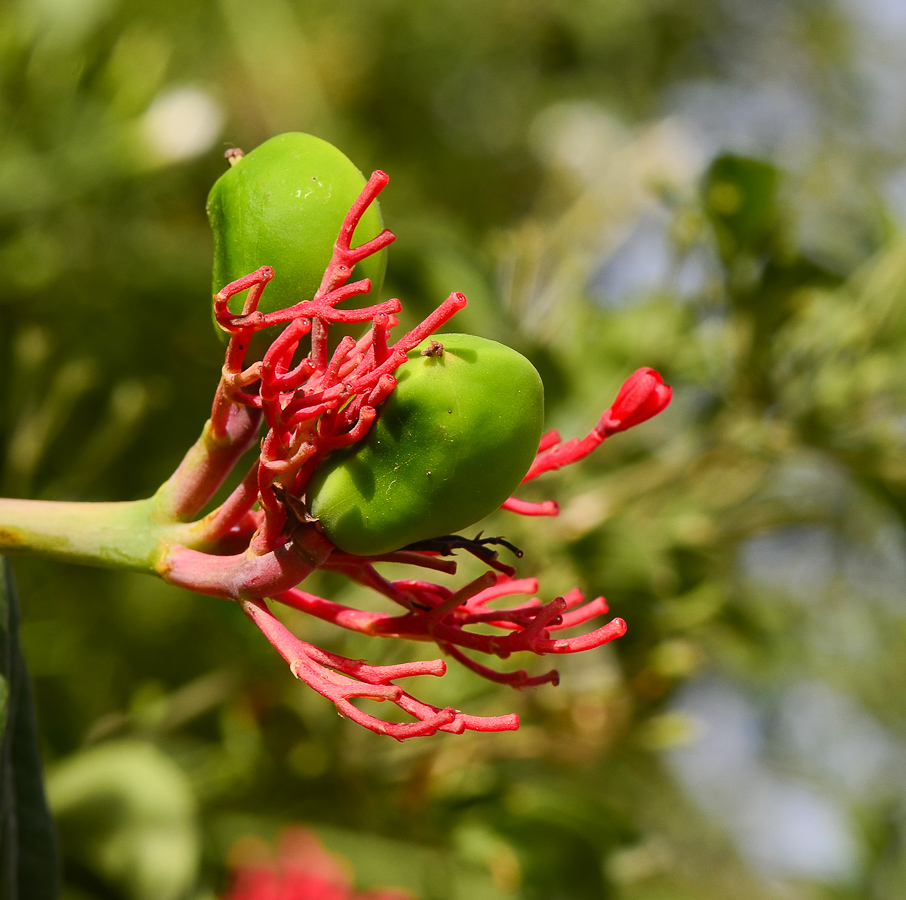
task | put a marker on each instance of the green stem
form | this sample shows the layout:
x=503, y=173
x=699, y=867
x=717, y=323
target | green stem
x=114, y=535
x=135, y=535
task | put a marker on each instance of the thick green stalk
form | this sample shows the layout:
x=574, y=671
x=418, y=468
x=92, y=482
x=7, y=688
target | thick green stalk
x=138, y=534
x=114, y=535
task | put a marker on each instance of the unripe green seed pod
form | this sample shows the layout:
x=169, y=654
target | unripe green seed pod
x=449, y=445
x=282, y=205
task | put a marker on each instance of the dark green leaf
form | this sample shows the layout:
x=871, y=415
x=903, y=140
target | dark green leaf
x=28, y=852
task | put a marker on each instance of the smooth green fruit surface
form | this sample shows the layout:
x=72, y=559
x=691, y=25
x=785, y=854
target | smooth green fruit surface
x=449, y=445
x=281, y=205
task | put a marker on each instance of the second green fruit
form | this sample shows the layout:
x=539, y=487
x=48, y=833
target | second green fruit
x=450, y=444
x=282, y=205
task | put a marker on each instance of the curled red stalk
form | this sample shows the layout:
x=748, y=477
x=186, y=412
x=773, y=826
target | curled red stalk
x=260, y=543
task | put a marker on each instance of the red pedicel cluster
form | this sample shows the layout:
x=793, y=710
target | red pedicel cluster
x=328, y=401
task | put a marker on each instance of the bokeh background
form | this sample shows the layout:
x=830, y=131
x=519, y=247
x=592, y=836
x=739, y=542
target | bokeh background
x=715, y=188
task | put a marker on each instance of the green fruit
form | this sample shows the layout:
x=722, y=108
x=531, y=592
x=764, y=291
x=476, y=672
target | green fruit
x=281, y=205
x=449, y=445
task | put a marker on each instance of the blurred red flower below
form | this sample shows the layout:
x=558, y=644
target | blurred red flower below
x=303, y=870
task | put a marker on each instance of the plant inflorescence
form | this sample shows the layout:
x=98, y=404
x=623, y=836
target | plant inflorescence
x=262, y=542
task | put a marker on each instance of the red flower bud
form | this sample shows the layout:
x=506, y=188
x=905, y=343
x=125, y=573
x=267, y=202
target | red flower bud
x=642, y=396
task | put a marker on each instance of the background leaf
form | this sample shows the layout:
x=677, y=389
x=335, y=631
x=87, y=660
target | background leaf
x=126, y=812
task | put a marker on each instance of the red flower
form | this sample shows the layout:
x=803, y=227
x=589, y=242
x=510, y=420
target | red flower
x=303, y=870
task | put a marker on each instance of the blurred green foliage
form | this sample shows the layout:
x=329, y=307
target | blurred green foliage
x=709, y=188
